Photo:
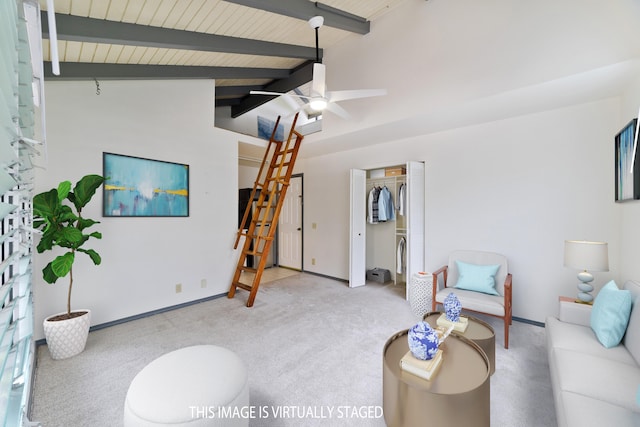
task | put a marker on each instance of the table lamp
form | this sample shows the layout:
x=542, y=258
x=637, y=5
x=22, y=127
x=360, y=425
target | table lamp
x=586, y=256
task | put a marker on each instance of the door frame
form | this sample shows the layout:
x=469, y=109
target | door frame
x=301, y=176
x=416, y=196
x=357, y=227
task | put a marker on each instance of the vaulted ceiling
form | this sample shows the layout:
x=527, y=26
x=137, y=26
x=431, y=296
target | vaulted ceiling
x=243, y=44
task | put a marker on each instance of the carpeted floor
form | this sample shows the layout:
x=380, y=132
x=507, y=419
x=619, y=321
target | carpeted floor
x=308, y=342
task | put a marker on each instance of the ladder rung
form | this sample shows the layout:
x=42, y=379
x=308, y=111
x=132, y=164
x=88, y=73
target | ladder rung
x=256, y=236
x=278, y=180
x=242, y=286
x=248, y=269
x=280, y=165
x=259, y=254
x=280, y=153
x=261, y=238
x=259, y=221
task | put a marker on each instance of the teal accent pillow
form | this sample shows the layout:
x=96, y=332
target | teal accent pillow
x=479, y=278
x=610, y=314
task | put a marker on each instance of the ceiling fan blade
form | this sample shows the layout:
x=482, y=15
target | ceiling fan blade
x=263, y=92
x=318, y=86
x=338, y=110
x=343, y=95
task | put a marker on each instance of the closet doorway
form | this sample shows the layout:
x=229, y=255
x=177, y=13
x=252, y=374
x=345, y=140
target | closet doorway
x=412, y=227
x=290, y=226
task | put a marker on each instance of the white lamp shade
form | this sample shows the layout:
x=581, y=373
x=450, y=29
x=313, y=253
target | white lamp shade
x=584, y=255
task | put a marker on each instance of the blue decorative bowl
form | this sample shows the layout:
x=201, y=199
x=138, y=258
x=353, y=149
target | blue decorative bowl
x=452, y=307
x=423, y=341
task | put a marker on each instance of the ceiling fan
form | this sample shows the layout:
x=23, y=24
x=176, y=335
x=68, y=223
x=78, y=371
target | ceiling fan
x=321, y=98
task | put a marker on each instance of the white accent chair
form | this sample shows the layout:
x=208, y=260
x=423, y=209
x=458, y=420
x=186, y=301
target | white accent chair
x=493, y=305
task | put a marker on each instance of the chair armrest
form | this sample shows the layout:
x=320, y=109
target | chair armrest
x=573, y=312
x=442, y=270
x=508, y=285
x=434, y=284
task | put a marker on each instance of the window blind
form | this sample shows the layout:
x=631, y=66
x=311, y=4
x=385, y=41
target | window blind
x=17, y=124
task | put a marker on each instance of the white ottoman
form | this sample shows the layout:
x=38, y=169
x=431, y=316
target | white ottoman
x=203, y=385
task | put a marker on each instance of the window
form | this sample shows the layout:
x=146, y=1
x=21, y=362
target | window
x=17, y=146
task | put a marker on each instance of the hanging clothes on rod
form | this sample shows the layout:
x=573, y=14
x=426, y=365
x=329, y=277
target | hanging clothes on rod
x=386, y=212
x=380, y=206
x=400, y=256
x=372, y=205
x=402, y=199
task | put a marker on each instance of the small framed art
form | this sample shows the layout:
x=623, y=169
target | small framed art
x=136, y=186
x=627, y=164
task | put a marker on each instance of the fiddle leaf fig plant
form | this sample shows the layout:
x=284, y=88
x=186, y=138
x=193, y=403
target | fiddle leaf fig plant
x=58, y=214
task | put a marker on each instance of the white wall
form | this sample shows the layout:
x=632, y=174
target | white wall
x=143, y=258
x=247, y=174
x=519, y=187
x=436, y=55
x=513, y=108
x=630, y=220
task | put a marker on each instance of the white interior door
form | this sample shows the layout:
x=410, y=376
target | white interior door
x=415, y=218
x=290, y=227
x=357, y=228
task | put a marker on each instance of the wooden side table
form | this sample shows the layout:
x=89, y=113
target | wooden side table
x=572, y=311
x=573, y=300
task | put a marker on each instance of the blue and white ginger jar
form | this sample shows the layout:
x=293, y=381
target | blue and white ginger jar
x=452, y=307
x=423, y=341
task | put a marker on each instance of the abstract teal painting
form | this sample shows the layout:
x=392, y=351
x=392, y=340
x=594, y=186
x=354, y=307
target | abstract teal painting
x=136, y=186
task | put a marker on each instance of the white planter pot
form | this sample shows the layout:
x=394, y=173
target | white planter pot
x=66, y=338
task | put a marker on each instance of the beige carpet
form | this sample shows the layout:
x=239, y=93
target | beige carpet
x=308, y=342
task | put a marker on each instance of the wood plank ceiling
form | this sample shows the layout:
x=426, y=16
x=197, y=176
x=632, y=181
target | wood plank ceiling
x=242, y=44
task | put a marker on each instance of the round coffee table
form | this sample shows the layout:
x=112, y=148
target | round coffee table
x=478, y=331
x=458, y=395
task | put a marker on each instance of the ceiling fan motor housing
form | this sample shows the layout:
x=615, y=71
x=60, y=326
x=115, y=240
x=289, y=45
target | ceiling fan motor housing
x=316, y=22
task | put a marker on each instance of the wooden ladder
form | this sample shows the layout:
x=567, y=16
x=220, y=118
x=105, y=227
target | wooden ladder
x=270, y=188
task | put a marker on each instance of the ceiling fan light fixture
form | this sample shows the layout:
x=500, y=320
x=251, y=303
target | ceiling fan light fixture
x=318, y=104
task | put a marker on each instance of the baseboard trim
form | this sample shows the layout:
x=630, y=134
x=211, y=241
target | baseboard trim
x=213, y=297
x=529, y=322
x=146, y=314
x=325, y=276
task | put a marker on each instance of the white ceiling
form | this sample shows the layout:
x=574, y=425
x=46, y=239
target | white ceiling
x=92, y=43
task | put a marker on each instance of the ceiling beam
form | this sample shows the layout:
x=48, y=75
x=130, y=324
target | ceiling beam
x=82, y=29
x=227, y=102
x=301, y=75
x=236, y=90
x=305, y=9
x=104, y=71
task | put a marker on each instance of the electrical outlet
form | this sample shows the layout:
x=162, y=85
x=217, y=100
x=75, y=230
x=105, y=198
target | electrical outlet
x=178, y=288
x=203, y=283
x=313, y=261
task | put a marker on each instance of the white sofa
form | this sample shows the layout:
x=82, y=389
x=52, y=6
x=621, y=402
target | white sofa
x=594, y=385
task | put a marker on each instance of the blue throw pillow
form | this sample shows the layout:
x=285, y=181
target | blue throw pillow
x=610, y=314
x=479, y=278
